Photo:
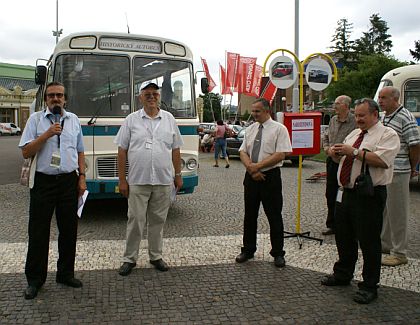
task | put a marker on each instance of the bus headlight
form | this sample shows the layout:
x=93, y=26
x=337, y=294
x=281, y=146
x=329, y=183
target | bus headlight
x=191, y=164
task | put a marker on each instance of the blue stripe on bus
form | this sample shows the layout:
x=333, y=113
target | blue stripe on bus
x=101, y=130
x=418, y=120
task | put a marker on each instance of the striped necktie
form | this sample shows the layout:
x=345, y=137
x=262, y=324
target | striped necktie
x=348, y=162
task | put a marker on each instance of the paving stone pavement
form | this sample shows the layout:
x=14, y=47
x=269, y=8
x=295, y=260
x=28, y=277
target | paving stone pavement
x=204, y=284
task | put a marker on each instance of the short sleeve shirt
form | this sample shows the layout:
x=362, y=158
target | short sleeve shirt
x=275, y=138
x=381, y=140
x=149, y=143
x=71, y=141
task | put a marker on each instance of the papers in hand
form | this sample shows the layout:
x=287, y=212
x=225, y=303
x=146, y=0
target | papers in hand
x=173, y=193
x=81, y=203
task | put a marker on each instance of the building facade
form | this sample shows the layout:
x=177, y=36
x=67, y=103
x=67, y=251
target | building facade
x=17, y=93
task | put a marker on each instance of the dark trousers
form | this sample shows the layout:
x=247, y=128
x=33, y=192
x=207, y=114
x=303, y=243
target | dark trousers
x=269, y=192
x=358, y=220
x=331, y=191
x=49, y=193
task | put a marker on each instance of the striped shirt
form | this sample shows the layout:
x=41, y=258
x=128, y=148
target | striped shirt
x=405, y=124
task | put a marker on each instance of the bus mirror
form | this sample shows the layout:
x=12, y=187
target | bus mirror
x=204, y=85
x=40, y=74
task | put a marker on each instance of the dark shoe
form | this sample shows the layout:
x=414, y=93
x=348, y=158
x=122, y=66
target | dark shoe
x=126, y=268
x=329, y=231
x=365, y=297
x=279, y=261
x=31, y=292
x=227, y=166
x=332, y=281
x=72, y=282
x=215, y=165
x=160, y=265
x=243, y=257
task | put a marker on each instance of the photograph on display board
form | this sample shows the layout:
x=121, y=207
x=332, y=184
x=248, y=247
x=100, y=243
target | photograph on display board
x=318, y=76
x=282, y=70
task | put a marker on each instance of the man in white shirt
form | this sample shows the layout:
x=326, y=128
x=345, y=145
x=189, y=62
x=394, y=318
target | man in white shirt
x=151, y=141
x=265, y=145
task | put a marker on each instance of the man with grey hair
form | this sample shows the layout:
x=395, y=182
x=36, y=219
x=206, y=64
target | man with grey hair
x=394, y=231
x=340, y=126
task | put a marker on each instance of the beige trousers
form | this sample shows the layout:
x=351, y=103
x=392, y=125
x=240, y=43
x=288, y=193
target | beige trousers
x=394, y=230
x=147, y=205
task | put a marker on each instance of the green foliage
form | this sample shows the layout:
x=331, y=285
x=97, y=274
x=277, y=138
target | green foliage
x=245, y=116
x=416, y=52
x=342, y=45
x=212, y=107
x=376, y=40
x=363, y=81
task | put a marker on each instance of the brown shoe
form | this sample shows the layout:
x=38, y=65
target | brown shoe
x=392, y=260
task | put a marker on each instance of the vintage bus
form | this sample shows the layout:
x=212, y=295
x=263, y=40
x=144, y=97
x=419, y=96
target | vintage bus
x=407, y=80
x=103, y=73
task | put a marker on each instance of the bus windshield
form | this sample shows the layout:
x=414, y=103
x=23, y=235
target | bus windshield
x=101, y=82
x=174, y=77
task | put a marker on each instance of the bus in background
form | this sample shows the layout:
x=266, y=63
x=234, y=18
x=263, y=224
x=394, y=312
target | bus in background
x=103, y=74
x=407, y=80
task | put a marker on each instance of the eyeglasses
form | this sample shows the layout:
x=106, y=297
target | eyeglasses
x=371, y=103
x=151, y=95
x=58, y=95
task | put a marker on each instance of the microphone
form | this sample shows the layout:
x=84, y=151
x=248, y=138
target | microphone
x=57, y=113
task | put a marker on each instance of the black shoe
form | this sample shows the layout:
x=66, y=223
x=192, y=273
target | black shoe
x=364, y=296
x=160, y=265
x=31, y=292
x=279, y=261
x=332, y=281
x=227, y=166
x=72, y=282
x=243, y=257
x=126, y=268
x=329, y=231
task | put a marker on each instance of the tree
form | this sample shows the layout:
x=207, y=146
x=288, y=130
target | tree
x=343, y=46
x=376, y=40
x=363, y=81
x=212, y=107
x=416, y=52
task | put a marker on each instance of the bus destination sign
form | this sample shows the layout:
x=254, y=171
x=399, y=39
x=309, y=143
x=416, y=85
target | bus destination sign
x=147, y=46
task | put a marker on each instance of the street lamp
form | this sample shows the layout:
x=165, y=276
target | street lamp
x=57, y=32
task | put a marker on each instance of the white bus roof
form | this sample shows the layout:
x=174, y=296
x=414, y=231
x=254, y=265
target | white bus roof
x=135, y=43
x=400, y=75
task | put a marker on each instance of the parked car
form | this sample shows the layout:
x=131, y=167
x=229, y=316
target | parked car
x=5, y=129
x=204, y=128
x=14, y=129
x=235, y=129
x=233, y=144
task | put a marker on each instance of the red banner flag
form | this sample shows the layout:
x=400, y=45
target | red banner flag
x=212, y=84
x=256, y=84
x=269, y=91
x=225, y=87
x=245, y=75
x=231, y=68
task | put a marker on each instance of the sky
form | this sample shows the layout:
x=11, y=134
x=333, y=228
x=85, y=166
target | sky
x=209, y=28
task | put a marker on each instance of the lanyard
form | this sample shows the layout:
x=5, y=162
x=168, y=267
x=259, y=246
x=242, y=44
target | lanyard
x=62, y=128
x=389, y=121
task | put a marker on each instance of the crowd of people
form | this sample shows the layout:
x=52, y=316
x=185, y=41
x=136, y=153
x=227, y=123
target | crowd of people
x=150, y=141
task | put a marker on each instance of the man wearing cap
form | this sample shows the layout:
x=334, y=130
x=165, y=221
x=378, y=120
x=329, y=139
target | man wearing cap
x=150, y=140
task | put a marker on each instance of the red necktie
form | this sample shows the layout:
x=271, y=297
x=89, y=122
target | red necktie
x=348, y=162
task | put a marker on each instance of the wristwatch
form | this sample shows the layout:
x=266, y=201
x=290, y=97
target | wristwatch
x=355, y=152
x=178, y=174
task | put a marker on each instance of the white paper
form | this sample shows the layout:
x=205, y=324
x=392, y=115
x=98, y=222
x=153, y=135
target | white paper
x=173, y=193
x=302, y=139
x=81, y=203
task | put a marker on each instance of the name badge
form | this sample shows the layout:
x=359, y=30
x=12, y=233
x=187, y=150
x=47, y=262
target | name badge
x=55, y=160
x=339, y=195
x=148, y=144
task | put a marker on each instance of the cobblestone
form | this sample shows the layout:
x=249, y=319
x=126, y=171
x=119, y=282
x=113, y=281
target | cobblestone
x=204, y=284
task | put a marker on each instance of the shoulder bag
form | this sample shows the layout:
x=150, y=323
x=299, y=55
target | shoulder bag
x=363, y=183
